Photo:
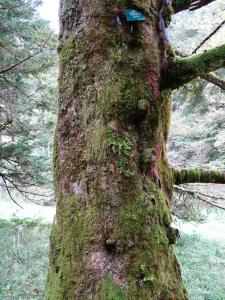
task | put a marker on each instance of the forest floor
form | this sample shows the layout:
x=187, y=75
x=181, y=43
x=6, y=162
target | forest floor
x=24, y=236
x=8, y=210
x=201, y=253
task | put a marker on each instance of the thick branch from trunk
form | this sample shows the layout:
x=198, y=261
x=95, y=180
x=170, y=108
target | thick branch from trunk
x=210, y=77
x=183, y=70
x=198, y=175
x=189, y=4
x=214, y=79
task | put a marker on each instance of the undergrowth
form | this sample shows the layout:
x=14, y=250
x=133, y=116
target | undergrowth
x=23, y=259
x=203, y=267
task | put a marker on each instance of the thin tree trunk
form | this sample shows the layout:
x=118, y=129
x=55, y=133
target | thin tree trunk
x=112, y=236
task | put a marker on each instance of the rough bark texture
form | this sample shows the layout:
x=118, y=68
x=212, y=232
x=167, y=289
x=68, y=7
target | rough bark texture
x=112, y=236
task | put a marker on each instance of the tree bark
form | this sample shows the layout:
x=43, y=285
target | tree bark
x=112, y=236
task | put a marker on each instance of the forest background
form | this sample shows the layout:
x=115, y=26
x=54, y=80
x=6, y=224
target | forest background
x=28, y=108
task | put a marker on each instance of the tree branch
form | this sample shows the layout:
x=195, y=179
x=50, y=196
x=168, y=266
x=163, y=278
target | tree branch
x=211, y=77
x=22, y=92
x=197, y=175
x=196, y=4
x=2, y=71
x=209, y=199
x=190, y=191
x=25, y=193
x=208, y=37
x=8, y=191
x=183, y=70
x=189, y=4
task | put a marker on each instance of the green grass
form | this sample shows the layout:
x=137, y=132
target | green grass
x=24, y=247
x=203, y=267
x=23, y=259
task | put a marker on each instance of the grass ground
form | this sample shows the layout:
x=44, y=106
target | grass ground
x=203, y=267
x=24, y=258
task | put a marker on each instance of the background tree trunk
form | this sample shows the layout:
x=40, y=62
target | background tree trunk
x=112, y=238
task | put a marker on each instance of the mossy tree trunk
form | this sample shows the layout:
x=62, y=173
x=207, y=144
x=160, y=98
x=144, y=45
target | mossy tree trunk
x=112, y=236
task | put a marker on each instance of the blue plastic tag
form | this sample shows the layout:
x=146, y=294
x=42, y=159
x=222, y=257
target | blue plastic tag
x=134, y=15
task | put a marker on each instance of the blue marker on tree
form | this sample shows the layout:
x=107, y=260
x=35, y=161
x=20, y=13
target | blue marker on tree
x=133, y=15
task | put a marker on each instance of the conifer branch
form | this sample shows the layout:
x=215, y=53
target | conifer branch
x=7, y=69
x=21, y=91
x=8, y=191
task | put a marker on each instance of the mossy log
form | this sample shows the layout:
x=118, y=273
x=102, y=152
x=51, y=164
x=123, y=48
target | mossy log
x=198, y=175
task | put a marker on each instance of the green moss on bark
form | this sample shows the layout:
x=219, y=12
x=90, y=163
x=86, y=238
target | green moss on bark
x=69, y=239
x=197, y=175
x=66, y=50
x=120, y=97
x=110, y=291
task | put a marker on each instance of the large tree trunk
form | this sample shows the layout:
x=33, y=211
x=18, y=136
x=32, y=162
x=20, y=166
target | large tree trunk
x=112, y=235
